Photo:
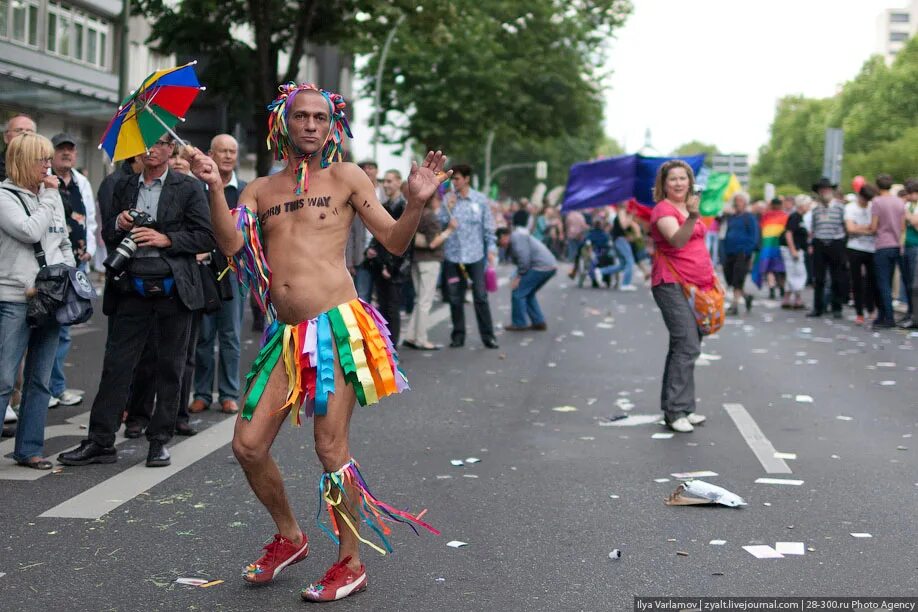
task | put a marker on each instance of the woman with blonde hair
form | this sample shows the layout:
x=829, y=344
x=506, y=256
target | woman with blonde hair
x=31, y=212
x=681, y=257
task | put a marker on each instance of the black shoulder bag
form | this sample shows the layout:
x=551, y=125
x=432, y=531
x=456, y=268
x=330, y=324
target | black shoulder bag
x=61, y=293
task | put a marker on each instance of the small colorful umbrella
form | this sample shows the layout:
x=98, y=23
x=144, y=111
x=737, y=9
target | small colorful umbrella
x=150, y=111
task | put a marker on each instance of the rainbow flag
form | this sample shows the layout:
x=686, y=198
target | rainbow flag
x=768, y=259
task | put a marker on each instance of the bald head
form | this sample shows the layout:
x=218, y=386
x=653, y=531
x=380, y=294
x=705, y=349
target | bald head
x=20, y=124
x=225, y=151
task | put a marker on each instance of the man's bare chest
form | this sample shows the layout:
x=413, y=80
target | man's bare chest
x=318, y=207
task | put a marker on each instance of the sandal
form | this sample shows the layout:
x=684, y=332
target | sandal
x=39, y=463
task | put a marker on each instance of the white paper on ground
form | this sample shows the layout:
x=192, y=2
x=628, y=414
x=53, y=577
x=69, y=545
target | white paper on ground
x=861, y=535
x=698, y=474
x=763, y=552
x=661, y=479
x=632, y=420
x=662, y=436
x=887, y=383
x=804, y=399
x=473, y=460
x=564, y=409
x=790, y=548
x=192, y=581
x=842, y=417
x=717, y=542
x=456, y=544
x=778, y=481
x=457, y=462
x=785, y=455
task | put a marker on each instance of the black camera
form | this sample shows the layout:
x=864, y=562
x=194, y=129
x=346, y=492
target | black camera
x=117, y=260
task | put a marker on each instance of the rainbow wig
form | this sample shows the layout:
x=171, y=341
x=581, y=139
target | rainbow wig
x=279, y=138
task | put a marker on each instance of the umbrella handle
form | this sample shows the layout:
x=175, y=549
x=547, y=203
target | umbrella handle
x=168, y=129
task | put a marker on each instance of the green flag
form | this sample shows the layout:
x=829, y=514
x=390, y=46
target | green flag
x=713, y=196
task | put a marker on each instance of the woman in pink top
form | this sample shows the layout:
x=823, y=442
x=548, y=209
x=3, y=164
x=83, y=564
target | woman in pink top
x=681, y=255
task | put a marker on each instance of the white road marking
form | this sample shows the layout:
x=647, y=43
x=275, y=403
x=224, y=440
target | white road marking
x=756, y=440
x=120, y=489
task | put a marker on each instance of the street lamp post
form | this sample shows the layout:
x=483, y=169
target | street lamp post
x=379, y=75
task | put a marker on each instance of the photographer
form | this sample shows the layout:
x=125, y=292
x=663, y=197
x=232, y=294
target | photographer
x=157, y=223
x=31, y=213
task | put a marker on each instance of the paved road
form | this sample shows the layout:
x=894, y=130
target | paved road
x=538, y=511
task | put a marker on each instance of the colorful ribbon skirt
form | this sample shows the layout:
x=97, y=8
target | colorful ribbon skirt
x=355, y=334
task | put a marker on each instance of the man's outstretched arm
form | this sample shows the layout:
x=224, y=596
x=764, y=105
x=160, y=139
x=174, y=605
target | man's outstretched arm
x=395, y=236
x=229, y=239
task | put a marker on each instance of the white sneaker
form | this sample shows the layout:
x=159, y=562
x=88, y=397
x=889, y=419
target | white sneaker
x=696, y=419
x=11, y=416
x=53, y=402
x=681, y=425
x=627, y=288
x=69, y=398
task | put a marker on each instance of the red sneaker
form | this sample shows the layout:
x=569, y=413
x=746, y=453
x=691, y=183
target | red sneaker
x=338, y=582
x=280, y=553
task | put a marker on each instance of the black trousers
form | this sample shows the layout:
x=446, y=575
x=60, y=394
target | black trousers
x=829, y=255
x=863, y=280
x=141, y=399
x=456, y=285
x=389, y=297
x=134, y=321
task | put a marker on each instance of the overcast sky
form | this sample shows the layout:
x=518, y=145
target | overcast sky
x=712, y=70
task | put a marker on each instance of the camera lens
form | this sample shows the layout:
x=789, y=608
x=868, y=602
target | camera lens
x=117, y=260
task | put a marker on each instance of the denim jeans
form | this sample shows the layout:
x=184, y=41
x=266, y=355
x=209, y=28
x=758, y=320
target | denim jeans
x=886, y=261
x=711, y=241
x=523, y=302
x=625, y=263
x=58, y=379
x=907, y=285
x=225, y=328
x=15, y=337
x=364, y=283
x=677, y=396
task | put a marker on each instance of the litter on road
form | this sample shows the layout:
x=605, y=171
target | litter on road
x=694, y=492
x=842, y=417
x=473, y=460
x=789, y=548
x=762, y=551
x=691, y=475
x=457, y=462
x=630, y=420
x=615, y=554
x=804, y=399
x=717, y=542
x=861, y=535
x=662, y=436
x=564, y=409
x=778, y=455
x=779, y=481
x=456, y=544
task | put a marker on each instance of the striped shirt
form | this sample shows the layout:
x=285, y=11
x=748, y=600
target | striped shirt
x=829, y=221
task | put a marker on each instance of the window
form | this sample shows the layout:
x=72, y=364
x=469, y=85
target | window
x=76, y=35
x=899, y=18
x=4, y=16
x=898, y=36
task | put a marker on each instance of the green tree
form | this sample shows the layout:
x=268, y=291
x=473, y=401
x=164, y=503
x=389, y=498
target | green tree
x=696, y=147
x=526, y=72
x=609, y=147
x=248, y=73
x=794, y=153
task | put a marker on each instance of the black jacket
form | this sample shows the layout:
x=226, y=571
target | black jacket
x=397, y=265
x=183, y=215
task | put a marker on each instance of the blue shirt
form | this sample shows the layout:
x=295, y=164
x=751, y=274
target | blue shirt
x=474, y=237
x=742, y=234
x=599, y=238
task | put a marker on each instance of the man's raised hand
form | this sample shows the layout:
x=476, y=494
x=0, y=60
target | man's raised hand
x=202, y=166
x=424, y=179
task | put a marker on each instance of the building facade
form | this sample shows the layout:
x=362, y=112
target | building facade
x=59, y=63
x=894, y=29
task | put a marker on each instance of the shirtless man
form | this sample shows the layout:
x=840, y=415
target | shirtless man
x=324, y=348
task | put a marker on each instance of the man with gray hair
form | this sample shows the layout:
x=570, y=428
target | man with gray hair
x=225, y=325
x=18, y=124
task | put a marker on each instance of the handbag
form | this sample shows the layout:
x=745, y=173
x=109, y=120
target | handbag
x=707, y=304
x=61, y=293
x=212, y=299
